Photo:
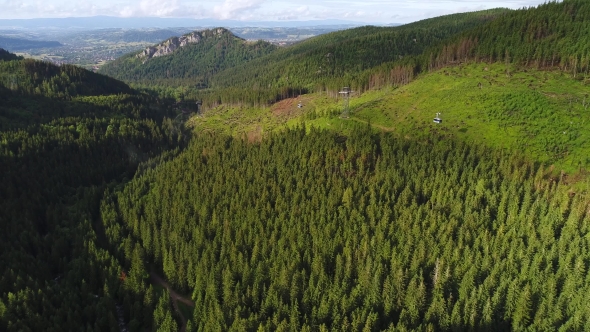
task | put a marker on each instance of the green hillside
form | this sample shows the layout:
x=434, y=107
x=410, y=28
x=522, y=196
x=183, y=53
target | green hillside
x=270, y=211
x=66, y=136
x=216, y=74
x=321, y=231
x=190, y=65
x=42, y=78
x=36, y=92
x=346, y=53
x=335, y=59
x=552, y=35
x=540, y=113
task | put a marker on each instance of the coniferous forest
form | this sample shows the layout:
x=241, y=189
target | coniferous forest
x=365, y=232
x=117, y=215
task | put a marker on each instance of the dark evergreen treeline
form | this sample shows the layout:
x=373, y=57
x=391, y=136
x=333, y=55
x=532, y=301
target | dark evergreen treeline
x=32, y=77
x=191, y=65
x=553, y=35
x=33, y=92
x=19, y=111
x=367, y=232
x=57, y=277
x=57, y=157
x=348, y=52
x=7, y=56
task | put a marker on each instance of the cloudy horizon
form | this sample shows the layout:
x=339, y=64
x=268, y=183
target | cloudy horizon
x=378, y=11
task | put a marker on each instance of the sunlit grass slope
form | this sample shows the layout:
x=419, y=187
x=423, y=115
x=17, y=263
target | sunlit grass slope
x=543, y=114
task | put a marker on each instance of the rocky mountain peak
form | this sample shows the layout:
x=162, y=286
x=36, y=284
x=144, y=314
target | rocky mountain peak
x=172, y=44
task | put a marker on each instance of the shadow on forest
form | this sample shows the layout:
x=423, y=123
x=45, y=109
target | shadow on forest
x=19, y=110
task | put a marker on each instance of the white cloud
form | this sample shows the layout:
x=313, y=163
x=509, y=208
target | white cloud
x=161, y=8
x=292, y=14
x=237, y=9
x=378, y=11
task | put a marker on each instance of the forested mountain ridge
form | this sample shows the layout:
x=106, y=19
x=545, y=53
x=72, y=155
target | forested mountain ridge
x=552, y=35
x=37, y=92
x=311, y=64
x=348, y=52
x=66, y=81
x=172, y=44
x=7, y=56
x=60, y=149
x=204, y=53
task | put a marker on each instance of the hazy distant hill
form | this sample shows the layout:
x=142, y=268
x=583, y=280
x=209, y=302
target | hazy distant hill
x=124, y=35
x=16, y=44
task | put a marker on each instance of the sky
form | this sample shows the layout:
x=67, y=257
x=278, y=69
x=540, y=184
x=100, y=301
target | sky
x=367, y=11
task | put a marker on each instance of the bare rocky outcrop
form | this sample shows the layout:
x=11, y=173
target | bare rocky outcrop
x=174, y=43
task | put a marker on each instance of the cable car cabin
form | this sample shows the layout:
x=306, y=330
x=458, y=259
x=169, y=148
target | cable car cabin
x=437, y=119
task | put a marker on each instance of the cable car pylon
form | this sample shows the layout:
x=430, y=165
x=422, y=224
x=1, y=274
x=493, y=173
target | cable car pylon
x=345, y=107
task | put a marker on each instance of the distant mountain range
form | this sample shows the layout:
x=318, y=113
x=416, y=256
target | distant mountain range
x=100, y=22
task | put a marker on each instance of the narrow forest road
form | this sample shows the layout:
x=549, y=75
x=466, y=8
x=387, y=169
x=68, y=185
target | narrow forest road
x=156, y=279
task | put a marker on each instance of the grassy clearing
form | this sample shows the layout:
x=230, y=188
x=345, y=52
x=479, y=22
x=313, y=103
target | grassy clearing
x=543, y=114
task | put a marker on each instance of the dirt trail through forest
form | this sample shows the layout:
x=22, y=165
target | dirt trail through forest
x=174, y=296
